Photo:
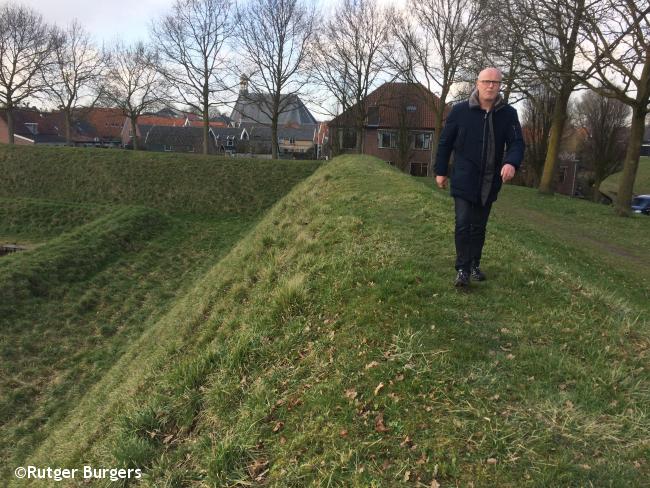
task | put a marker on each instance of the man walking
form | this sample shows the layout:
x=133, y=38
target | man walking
x=478, y=131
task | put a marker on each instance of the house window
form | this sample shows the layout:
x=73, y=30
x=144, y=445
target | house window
x=167, y=148
x=387, y=139
x=32, y=127
x=422, y=140
x=292, y=140
x=230, y=142
x=411, y=108
x=348, y=139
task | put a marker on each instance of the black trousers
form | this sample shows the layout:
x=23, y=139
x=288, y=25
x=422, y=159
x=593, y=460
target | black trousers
x=471, y=221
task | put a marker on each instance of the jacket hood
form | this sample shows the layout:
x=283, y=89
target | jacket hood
x=474, y=101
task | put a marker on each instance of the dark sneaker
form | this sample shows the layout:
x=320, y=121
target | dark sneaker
x=477, y=274
x=462, y=278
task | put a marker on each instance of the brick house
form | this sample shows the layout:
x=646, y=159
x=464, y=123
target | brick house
x=90, y=127
x=398, y=127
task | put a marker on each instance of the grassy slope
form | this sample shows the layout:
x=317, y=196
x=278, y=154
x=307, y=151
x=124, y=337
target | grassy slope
x=185, y=184
x=641, y=184
x=328, y=348
x=100, y=274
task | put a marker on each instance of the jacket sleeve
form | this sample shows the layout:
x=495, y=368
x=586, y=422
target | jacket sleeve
x=446, y=143
x=515, y=145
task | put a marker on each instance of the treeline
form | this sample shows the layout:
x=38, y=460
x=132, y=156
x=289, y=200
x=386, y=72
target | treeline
x=198, y=52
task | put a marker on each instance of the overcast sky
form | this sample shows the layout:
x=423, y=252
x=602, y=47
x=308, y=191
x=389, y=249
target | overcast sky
x=106, y=20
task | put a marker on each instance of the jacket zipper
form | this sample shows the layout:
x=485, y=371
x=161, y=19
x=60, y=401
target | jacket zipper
x=482, y=172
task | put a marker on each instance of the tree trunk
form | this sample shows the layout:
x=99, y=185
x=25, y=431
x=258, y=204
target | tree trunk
x=555, y=138
x=275, y=150
x=68, y=124
x=134, y=131
x=626, y=185
x=206, y=120
x=440, y=114
x=10, y=124
x=359, y=136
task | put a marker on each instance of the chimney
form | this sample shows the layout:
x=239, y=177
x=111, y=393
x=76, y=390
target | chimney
x=243, y=85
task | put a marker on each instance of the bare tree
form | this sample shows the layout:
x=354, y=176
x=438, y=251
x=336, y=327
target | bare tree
x=133, y=82
x=499, y=43
x=605, y=120
x=432, y=45
x=191, y=40
x=76, y=68
x=26, y=45
x=537, y=120
x=275, y=36
x=347, y=58
x=549, y=40
x=618, y=45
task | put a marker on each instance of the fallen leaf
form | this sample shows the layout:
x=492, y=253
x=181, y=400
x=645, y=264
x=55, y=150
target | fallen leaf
x=278, y=427
x=257, y=469
x=568, y=404
x=379, y=423
x=168, y=439
x=510, y=356
x=491, y=461
x=407, y=442
x=343, y=433
x=351, y=393
x=379, y=388
x=407, y=476
x=371, y=365
x=435, y=484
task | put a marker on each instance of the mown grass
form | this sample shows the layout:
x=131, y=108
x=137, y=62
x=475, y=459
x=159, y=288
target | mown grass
x=328, y=348
x=173, y=183
x=609, y=187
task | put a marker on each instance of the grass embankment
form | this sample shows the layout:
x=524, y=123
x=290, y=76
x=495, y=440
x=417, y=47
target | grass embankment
x=180, y=184
x=609, y=187
x=98, y=276
x=328, y=348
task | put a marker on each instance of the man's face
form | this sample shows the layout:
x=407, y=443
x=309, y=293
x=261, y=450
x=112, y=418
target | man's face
x=488, y=84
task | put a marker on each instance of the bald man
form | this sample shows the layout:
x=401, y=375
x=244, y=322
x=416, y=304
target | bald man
x=484, y=135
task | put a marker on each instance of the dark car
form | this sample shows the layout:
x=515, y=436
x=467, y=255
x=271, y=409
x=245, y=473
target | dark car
x=641, y=204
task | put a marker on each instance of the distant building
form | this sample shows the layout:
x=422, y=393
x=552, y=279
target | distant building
x=398, y=127
x=90, y=127
x=255, y=108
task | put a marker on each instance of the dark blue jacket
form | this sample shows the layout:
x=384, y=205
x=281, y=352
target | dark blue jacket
x=464, y=135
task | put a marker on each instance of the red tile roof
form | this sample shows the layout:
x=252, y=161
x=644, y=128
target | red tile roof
x=391, y=102
x=108, y=122
x=165, y=121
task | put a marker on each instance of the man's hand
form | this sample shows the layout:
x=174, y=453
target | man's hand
x=441, y=181
x=507, y=172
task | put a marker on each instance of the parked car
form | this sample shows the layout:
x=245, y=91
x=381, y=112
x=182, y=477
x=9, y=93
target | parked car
x=641, y=204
